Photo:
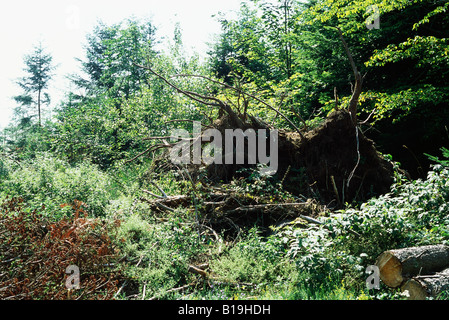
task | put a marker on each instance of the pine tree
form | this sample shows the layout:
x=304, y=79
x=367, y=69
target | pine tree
x=39, y=71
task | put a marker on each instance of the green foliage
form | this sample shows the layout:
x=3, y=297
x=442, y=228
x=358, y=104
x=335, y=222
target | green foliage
x=443, y=162
x=50, y=182
x=123, y=103
x=290, y=55
x=158, y=253
x=253, y=260
x=300, y=46
x=26, y=139
x=111, y=54
x=413, y=214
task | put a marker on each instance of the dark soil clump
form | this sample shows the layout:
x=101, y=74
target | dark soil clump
x=333, y=163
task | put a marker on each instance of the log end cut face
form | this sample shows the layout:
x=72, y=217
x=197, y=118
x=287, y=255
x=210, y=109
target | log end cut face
x=390, y=269
x=415, y=290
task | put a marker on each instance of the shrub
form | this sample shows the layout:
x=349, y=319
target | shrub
x=35, y=252
x=50, y=181
x=414, y=213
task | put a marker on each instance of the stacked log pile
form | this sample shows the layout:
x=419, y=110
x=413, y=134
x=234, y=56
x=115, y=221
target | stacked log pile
x=420, y=272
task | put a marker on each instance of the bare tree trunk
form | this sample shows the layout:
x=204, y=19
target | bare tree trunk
x=353, y=103
x=358, y=81
x=39, y=107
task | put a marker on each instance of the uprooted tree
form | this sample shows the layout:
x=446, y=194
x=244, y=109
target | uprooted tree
x=333, y=164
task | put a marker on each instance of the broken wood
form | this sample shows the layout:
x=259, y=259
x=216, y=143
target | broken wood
x=422, y=287
x=197, y=270
x=397, y=266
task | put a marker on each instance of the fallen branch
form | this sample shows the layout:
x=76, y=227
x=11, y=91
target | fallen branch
x=151, y=149
x=258, y=207
x=358, y=156
x=196, y=270
x=192, y=95
x=187, y=120
x=153, y=194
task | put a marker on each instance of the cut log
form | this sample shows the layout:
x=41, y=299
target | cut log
x=421, y=287
x=397, y=266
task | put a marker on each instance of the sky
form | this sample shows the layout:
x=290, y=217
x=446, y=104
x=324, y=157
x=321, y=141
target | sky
x=62, y=27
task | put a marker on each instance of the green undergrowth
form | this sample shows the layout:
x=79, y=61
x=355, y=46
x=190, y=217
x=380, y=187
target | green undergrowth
x=297, y=261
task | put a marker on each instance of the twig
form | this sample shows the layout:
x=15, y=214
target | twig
x=144, y=291
x=151, y=149
x=311, y=220
x=194, y=202
x=187, y=120
x=174, y=290
x=367, y=119
x=215, y=203
x=219, y=240
x=335, y=190
x=258, y=206
x=163, y=206
x=120, y=289
x=153, y=194
x=336, y=98
x=160, y=189
x=196, y=270
x=285, y=175
x=194, y=96
x=167, y=137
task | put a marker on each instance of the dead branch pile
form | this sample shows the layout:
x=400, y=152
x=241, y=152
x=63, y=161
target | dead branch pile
x=230, y=211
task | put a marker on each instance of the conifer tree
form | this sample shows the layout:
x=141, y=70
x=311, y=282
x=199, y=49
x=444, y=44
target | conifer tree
x=39, y=71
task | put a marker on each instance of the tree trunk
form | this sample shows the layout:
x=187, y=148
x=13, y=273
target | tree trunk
x=421, y=287
x=353, y=103
x=397, y=266
x=358, y=82
x=39, y=107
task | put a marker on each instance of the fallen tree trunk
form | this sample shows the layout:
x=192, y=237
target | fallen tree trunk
x=397, y=266
x=422, y=287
